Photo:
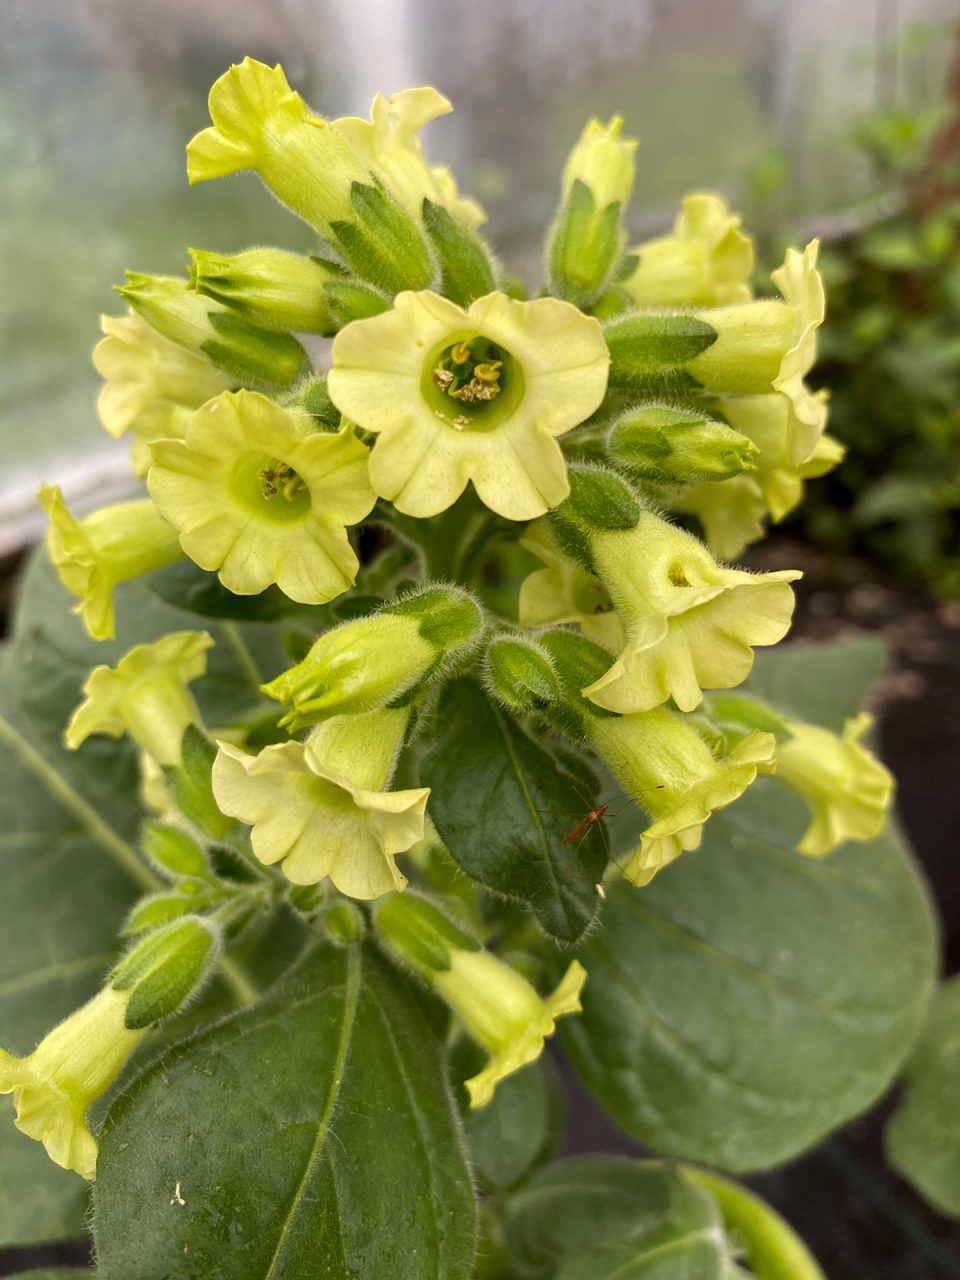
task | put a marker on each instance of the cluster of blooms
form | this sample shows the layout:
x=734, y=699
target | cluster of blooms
x=646, y=380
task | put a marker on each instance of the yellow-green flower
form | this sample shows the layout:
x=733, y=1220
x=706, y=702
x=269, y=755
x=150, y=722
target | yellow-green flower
x=388, y=145
x=259, y=495
x=260, y=123
x=847, y=788
x=112, y=545
x=149, y=377
x=692, y=624
x=478, y=395
x=669, y=771
x=145, y=695
x=706, y=262
x=73, y=1065
x=321, y=808
x=564, y=592
x=731, y=512
x=498, y=1006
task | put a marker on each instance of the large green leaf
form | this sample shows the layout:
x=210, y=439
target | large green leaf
x=600, y=1217
x=923, y=1138
x=750, y=1000
x=310, y=1136
x=502, y=805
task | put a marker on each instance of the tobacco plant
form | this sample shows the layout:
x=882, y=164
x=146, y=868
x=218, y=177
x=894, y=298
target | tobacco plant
x=407, y=726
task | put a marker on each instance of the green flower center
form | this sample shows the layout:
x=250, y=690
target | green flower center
x=270, y=489
x=472, y=383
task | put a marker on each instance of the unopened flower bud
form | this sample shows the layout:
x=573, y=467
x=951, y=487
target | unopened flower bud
x=165, y=968
x=247, y=352
x=498, y=1007
x=268, y=287
x=677, y=446
x=520, y=673
x=587, y=238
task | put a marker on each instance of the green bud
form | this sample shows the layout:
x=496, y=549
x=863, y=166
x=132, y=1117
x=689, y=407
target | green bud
x=383, y=659
x=173, y=851
x=312, y=395
x=164, y=969
x=420, y=934
x=578, y=662
x=467, y=270
x=520, y=673
x=599, y=500
x=153, y=912
x=587, y=238
x=350, y=300
x=268, y=287
x=251, y=354
x=677, y=446
x=344, y=923
x=382, y=243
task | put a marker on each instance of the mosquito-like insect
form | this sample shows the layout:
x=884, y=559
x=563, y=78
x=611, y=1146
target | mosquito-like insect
x=592, y=818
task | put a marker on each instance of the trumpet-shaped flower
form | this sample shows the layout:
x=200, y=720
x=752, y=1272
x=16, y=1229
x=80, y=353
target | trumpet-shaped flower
x=692, y=624
x=670, y=772
x=847, y=788
x=268, y=287
x=148, y=377
x=498, y=1007
x=321, y=809
x=112, y=545
x=259, y=495
x=764, y=346
x=706, y=262
x=388, y=145
x=72, y=1067
x=563, y=592
x=470, y=395
x=368, y=662
x=145, y=695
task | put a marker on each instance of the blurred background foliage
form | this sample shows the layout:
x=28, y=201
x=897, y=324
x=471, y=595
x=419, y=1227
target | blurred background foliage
x=753, y=98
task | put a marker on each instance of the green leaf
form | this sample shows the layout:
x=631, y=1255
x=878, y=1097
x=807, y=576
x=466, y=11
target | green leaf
x=744, y=1004
x=600, y=1217
x=58, y=1273
x=185, y=586
x=923, y=1137
x=502, y=805
x=312, y=1134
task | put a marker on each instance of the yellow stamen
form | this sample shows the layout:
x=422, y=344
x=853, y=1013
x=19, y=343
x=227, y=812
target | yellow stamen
x=460, y=353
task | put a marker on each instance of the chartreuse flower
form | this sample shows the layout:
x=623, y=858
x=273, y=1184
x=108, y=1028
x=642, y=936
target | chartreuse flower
x=256, y=493
x=751, y=348
x=496, y=1005
x=145, y=695
x=149, y=380
x=692, y=624
x=477, y=395
x=707, y=261
x=245, y=351
x=732, y=512
x=587, y=238
x=390, y=655
x=310, y=164
x=847, y=788
x=565, y=592
x=388, y=145
x=268, y=287
x=661, y=761
x=78, y=1061
x=112, y=545
x=322, y=808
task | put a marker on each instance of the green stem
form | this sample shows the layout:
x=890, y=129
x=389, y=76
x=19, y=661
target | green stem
x=241, y=651
x=774, y=1250
x=243, y=990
